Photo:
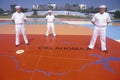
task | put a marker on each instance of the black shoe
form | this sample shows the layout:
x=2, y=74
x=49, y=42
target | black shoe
x=89, y=48
x=105, y=51
x=28, y=44
x=17, y=45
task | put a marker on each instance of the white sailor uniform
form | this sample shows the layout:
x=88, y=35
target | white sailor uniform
x=101, y=21
x=19, y=19
x=50, y=24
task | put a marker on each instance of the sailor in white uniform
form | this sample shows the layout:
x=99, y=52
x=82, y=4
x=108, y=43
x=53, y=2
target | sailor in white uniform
x=19, y=18
x=50, y=23
x=100, y=22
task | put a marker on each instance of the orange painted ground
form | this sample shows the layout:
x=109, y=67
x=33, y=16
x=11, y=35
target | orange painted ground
x=58, y=58
x=63, y=29
x=116, y=24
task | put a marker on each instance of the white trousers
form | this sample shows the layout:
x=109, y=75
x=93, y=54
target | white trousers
x=102, y=32
x=20, y=28
x=50, y=25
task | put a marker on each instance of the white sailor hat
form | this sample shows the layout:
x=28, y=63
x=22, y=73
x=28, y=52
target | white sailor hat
x=102, y=6
x=17, y=7
x=49, y=11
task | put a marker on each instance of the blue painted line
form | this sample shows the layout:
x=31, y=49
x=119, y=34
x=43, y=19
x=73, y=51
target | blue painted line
x=102, y=60
x=42, y=22
x=25, y=70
